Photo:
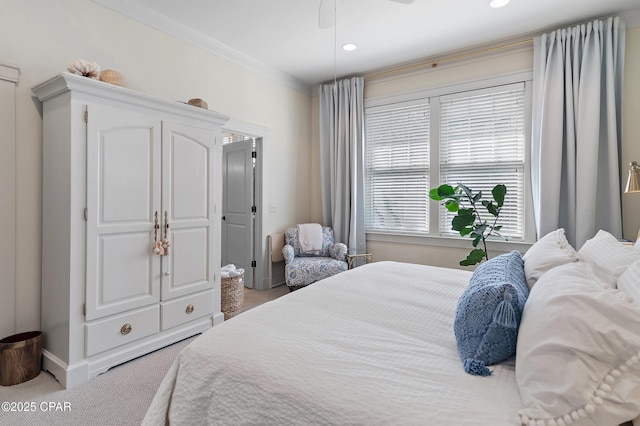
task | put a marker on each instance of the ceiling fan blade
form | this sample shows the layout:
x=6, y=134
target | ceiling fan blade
x=326, y=14
x=403, y=1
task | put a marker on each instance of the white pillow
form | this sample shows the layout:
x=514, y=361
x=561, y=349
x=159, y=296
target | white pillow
x=607, y=252
x=578, y=351
x=629, y=281
x=548, y=252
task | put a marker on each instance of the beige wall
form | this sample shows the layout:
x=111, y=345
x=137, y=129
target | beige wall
x=518, y=60
x=41, y=37
x=631, y=130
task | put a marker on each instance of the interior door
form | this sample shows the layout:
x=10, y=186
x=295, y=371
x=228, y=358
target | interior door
x=123, y=193
x=237, y=204
x=187, y=209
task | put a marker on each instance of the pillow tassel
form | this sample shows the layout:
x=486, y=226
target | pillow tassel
x=476, y=367
x=504, y=314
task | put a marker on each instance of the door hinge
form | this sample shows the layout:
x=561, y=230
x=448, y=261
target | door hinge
x=254, y=154
x=84, y=309
x=86, y=116
x=253, y=264
x=254, y=209
x=85, y=213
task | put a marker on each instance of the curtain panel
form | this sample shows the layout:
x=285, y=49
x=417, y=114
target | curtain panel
x=342, y=160
x=576, y=129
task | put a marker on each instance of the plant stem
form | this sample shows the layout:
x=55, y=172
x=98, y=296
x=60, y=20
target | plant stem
x=479, y=223
x=484, y=238
x=486, y=253
x=484, y=243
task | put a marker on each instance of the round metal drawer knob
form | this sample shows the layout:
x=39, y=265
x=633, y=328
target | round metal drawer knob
x=189, y=309
x=125, y=329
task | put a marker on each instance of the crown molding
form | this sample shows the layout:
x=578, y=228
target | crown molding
x=169, y=26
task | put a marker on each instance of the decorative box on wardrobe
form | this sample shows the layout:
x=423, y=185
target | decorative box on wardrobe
x=121, y=173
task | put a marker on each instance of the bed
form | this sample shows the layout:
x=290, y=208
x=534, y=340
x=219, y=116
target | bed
x=372, y=345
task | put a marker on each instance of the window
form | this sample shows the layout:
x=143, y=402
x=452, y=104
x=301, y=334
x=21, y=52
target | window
x=397, y=167
x=481, y=145
x=477, y=137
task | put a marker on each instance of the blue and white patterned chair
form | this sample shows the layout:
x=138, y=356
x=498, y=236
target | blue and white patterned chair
x=302, y=270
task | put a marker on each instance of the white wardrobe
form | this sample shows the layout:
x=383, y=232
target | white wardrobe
x=131, y=224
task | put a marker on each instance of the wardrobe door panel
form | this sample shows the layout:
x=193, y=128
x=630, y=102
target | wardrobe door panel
x=189, y=177
x=189, y=261
x=130, y=279
x=123, y=196
x=187, y=182
x=126, y=175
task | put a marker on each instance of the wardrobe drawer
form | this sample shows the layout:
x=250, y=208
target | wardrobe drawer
x=109, y=333
x=185, y=309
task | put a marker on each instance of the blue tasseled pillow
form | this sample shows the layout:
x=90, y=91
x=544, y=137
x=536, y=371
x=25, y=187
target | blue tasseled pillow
x=489, y=311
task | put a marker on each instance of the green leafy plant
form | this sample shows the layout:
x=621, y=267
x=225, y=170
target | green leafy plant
x=468, y=221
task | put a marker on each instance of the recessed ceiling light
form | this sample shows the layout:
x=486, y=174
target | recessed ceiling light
x=349, y=47
x=498, y=3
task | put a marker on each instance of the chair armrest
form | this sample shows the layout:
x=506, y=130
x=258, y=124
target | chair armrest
x=338, y=251
x=287, y=252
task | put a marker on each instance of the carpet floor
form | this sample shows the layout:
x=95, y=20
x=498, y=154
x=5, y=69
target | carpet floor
x=119, y=397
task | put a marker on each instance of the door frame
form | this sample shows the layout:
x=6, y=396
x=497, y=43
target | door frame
x=247, y=148
x=262, y=135
x=9, y=80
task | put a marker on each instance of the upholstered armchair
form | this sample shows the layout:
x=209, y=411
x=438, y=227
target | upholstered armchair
x=302, y=269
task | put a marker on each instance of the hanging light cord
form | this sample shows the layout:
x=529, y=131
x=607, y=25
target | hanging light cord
x=335, y=43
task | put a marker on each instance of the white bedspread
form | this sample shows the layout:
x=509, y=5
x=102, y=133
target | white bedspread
x=370, y=346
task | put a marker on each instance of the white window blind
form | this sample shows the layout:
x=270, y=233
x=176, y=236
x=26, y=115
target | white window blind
x=482, y=144
x=397, y=168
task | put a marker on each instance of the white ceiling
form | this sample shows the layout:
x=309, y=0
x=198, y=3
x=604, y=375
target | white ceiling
x=282, y=37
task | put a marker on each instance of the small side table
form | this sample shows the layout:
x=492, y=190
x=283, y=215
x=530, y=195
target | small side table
x=353, y=255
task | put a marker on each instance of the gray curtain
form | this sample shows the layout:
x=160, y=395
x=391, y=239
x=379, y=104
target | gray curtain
x=576, y=129
x=342, y=160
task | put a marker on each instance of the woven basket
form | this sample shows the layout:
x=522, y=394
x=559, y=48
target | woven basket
x=113, y=77
x=232, y=295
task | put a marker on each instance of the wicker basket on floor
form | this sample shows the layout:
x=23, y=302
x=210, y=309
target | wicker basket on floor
x=232, y=295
